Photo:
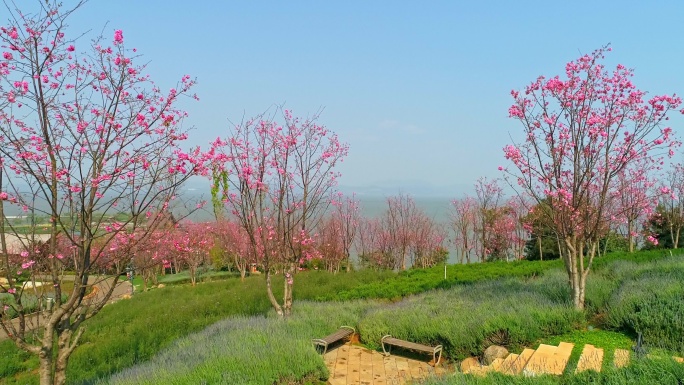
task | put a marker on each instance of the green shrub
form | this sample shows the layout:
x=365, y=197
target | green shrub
x=133, y=331
x=184, y=277
x=15, y=362
x=467, y=319
x=416, y=281
x=248, y=350
x=29, y=301
x=650, y=302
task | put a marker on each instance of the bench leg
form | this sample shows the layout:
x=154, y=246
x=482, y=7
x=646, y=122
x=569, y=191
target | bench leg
x=386, y=352
x=436, y=359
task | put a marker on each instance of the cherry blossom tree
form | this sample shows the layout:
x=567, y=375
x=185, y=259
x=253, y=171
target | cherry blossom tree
x=84, y=134
x=375, y=247
x=234, y=242
x=582, y=131
x=671, y=199
x=463, y=216
x=191, y=242
x=634, y=200
x=518, y=209
x=404, y=235
x=281, y=179
x=346, y=214
x=543, y=243
x=398, y=222
x=489, y=199
x=427, y=248
x=329, y=243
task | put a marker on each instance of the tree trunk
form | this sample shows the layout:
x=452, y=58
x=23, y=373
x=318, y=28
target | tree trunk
x=269, y=290
x=676, y=238
x=630, y=238
x=581, y=289
x=193, y=278
x=45, y=370
x=539, y=242
x=572, y=258
x=287, y=294
x=60, y=370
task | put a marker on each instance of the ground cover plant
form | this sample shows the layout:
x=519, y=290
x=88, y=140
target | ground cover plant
x=183, y=277
x=416, y=281
x=648, y=300
x=467, y=319
x=134, y=331
x=249, y=350
x=16, y=364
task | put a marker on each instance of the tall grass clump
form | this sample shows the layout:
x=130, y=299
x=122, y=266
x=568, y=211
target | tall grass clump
x=133, y=331
x=467, y=319
x=16, y=365
x=649, y=301
x=202, y=276
x=415, y=281
x=249, y=350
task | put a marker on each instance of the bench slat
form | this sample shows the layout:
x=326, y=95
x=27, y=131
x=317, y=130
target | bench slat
x=342, y=333
x=391, y=341
x=409, y=345
x=338, y=335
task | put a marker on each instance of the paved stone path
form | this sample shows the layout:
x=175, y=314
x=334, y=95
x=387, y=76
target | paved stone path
x=356, y=365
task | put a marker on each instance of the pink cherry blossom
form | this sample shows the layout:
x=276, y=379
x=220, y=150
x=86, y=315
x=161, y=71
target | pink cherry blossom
x=118, y=37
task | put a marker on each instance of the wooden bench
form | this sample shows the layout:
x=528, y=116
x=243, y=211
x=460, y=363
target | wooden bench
x=391, y=341
x=342, y=333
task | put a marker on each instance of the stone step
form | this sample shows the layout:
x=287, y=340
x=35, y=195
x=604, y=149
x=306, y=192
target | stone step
x=565, y=348
x=519, y=364
x=496, y=364
x=508, y=363
x=621, y=358
x=469, y=364
x=539, y=360
x=591, y=359
x=560, y=359
x=480, y=370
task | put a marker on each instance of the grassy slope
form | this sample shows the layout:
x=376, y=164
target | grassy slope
x=133, y=331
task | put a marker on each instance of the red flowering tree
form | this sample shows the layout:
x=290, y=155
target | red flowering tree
x=398, y=222
x=489, y=212
x=427, y=248
x=346, y=214
x=581, y=131
x=191, y=243
x=463, y=217
x=635, y=201
x=671, y=211
x=280, y=183
x=375, y=245
x=235, y=245
x=84, y=134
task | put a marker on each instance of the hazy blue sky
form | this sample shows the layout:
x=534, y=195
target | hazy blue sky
x=419, y=89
